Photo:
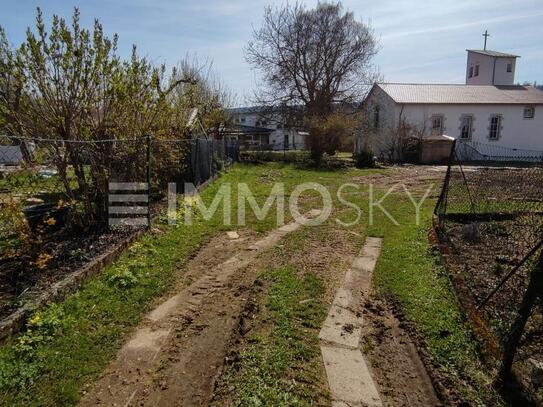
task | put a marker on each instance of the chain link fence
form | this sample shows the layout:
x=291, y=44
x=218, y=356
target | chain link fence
x=63, y=201
x=490, y=215
x=77, y=175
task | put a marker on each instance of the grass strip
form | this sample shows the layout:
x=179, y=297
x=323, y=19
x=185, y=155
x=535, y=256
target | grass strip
x=281, y=364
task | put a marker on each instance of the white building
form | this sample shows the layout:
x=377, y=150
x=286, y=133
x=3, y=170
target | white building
x=490, y=68
x=257, y=126
x=487, y=112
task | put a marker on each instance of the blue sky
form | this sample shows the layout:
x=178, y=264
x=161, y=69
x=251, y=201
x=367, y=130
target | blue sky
x=420, y=41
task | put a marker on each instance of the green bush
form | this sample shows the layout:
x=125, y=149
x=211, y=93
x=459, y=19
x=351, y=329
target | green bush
x=364, y=159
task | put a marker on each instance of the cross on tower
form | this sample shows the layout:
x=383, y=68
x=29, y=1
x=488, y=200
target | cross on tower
x=486, y=35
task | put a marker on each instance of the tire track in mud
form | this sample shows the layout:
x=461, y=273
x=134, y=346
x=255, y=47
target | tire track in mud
x=178, y=350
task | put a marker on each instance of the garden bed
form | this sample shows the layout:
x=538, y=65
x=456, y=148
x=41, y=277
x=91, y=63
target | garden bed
x=23, y=278
x=26, y=277
x=481, y=254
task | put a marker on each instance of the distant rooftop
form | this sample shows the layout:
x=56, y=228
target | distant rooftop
x=461, y=94
x=493, y=53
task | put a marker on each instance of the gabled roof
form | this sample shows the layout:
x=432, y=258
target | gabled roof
x=406, y=93
x=493, y=53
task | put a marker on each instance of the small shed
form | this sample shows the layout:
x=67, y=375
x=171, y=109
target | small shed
x=435, y=149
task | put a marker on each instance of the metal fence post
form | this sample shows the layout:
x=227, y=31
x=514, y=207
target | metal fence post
x=512, y=341
x=445, y=187
x=148, y=158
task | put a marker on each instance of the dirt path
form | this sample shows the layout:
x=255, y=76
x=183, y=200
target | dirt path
x=389, y=371
x=396, y=364
x=178, y=350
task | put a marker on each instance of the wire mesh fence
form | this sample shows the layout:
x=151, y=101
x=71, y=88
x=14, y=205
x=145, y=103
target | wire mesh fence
x=490, y=213
x=36, y=175
x=284, y=145
x=474, y=151
x=56, y=183
x=62, y=201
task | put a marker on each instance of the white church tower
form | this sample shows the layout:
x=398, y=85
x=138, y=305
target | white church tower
x=486, y=67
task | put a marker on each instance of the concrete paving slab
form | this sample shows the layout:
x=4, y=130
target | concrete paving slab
x=349, y=377
x=343, y=298
x=373, y=242
x=341, y=327
x=364, y=264
x=140, y=357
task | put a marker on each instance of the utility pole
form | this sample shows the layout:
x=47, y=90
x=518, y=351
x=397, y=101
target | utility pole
x=486, y=35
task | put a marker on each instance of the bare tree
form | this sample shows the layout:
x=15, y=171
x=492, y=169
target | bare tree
x=317, y=58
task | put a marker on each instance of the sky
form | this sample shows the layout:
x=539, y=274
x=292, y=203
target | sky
x=419, y=41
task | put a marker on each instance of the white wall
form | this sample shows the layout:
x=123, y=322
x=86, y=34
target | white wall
x=516, y=132
x=488, y=73
x=296, y=141
x=381, y=138
x=386, y=104
x=501, y=76
x=277, y=137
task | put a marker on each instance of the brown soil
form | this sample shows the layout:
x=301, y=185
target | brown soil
x=481, y=265
x=326, y=252
x=203, y=324
x=21, y=281
x=416, y=178
x=397, y=367
x=176, y=353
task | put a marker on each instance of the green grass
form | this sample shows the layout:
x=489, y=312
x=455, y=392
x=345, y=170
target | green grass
x=67, y=345
x=28, y=181
x=281, y=366
x=409, y=271
x=50, y=363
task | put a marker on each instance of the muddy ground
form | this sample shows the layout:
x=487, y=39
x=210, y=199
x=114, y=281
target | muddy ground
x=416, y=178
x=397, y=361
x=204, y=324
